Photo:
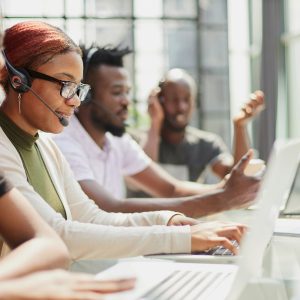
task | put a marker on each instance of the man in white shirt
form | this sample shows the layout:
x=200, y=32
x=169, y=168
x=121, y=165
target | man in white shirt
x=100, y=153
x=119, y=156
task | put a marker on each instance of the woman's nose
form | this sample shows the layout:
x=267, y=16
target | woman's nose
x=74, y=102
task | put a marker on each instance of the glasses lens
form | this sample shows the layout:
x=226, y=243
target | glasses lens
x=82, y=91
x=68, y=90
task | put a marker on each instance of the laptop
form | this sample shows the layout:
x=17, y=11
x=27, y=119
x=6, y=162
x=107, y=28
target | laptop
x=291, y=205
x=289, y=222
x=287, y=227
x=175, y=280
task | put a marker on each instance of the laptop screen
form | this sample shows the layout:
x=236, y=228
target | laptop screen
x=292, y=205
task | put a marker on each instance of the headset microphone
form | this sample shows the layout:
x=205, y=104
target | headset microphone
x=62, y=120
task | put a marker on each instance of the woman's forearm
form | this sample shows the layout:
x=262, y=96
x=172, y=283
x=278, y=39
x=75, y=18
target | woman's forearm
x=34, y=255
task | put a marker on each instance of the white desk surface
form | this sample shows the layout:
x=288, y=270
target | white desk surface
x=285, y=256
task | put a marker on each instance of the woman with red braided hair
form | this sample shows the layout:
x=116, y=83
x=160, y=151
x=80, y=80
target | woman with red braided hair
x=42, y=84
x=24, y=273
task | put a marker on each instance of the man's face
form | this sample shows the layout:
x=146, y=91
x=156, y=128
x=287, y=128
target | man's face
x=111, y=95
x=177, y=102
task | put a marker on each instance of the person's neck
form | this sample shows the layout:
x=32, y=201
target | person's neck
x=96, y=134
x=15, y=116
x=171, y=136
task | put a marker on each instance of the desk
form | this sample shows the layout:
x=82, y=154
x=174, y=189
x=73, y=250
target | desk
x=282, y=262
x=285, y=264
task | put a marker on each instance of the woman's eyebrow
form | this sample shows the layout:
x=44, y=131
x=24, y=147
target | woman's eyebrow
x=70, y=76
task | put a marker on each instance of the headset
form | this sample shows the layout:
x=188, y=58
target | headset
x=19, y=78
x=89, y=56
x=21, y=82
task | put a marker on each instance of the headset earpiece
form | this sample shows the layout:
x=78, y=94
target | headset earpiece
x=19, y=79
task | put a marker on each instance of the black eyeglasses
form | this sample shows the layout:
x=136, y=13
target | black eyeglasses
x=68, y=88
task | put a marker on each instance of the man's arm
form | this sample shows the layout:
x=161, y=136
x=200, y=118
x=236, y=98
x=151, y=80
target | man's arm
x=239, y=191
x=251, y=109
x=36, y=246
x=157, y=182
x=241, y=140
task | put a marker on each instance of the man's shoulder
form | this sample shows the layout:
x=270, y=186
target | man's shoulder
x=126, y=140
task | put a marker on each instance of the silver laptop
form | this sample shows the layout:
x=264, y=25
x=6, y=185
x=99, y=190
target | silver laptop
x=291, y=207
x=289, y=222
x=172, y=280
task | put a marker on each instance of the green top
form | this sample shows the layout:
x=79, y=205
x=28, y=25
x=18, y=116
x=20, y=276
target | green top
x=35, y=168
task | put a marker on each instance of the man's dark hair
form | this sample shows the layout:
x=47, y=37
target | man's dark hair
x=95, y=56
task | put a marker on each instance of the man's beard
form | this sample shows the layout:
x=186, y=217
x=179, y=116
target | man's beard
x=173, y=127
x=115, y=130
x=103, y=123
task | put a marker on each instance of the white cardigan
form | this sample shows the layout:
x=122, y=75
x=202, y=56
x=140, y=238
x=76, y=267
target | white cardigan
x=89, y=232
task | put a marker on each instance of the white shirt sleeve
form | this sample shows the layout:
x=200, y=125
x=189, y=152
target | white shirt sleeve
x=93, y=233
x=135, y=159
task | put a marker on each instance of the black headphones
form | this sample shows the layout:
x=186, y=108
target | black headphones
x=89, y=56
x=19, y=78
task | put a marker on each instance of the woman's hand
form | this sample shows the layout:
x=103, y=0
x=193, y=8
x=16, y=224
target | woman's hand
x=208, y=235
x=60, y=285
x=180, y=220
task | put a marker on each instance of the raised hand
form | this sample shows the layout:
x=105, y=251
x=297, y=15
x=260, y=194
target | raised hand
x=155, y=109
x=250, y=109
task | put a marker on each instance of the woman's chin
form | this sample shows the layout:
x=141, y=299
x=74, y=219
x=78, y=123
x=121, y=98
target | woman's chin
x=54, y=130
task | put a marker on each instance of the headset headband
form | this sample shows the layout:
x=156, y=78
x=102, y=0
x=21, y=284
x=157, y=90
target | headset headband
x=89, y=56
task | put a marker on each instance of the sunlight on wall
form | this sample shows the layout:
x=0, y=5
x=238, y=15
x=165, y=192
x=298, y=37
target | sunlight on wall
x=239, y=62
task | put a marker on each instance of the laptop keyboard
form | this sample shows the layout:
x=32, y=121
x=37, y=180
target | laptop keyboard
x=220, y=250
x=186, y=285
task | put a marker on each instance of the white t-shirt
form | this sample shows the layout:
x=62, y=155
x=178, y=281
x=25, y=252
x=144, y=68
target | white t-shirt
x=121, y=156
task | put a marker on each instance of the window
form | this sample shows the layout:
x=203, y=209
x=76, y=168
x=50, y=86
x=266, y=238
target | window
x=164, y=34
x=289, y=106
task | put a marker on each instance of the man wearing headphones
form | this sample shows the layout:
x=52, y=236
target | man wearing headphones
x=185, y=151
x=101, y=153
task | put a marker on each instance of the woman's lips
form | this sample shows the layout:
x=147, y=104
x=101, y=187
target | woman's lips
x=65, y=115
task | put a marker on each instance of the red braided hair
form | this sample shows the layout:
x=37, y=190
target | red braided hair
x=30, y=44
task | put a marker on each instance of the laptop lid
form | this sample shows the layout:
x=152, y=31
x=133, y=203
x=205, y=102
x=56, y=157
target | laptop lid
x=292, y=205
x=277, y=181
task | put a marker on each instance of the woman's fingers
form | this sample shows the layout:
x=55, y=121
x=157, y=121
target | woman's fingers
x=232, y=233
x=94, y=289
x=106, y=286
